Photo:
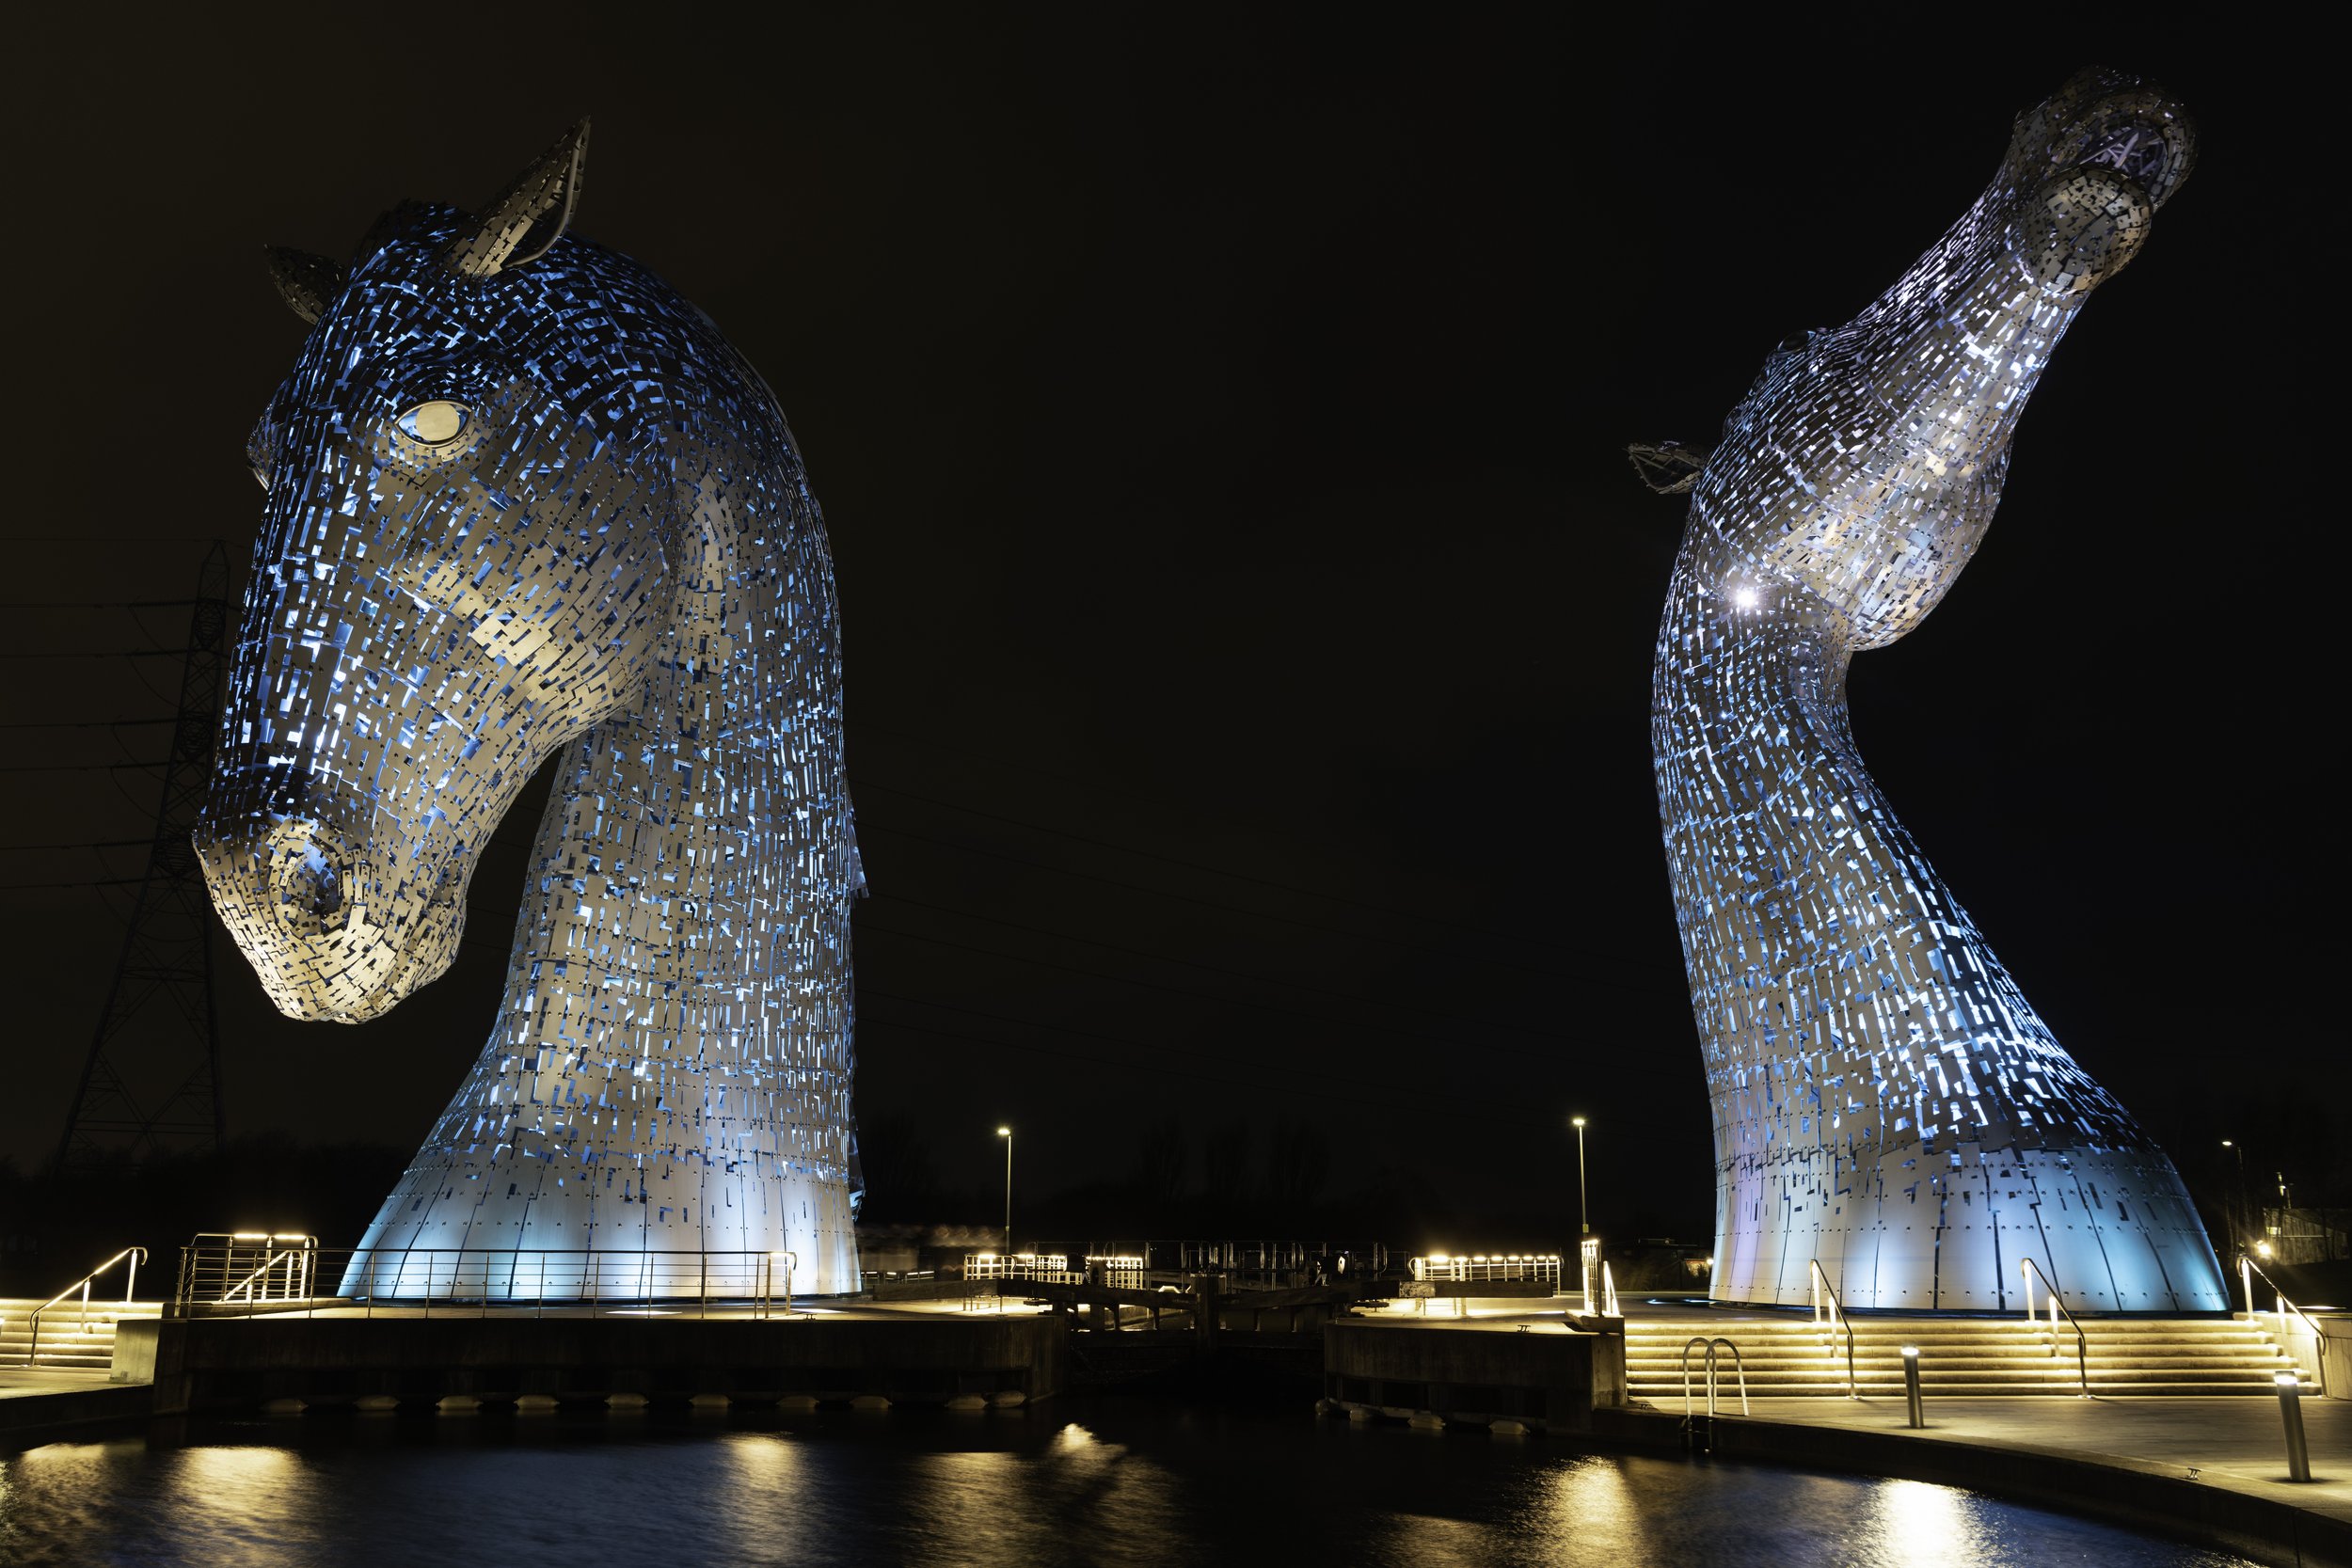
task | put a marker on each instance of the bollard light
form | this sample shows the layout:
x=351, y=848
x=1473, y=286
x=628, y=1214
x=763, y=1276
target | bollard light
x=2290, y=1413
x=1911, y=1385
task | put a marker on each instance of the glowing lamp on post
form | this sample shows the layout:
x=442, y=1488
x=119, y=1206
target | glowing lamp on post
x=1006, y=1133
x=1583, y=1227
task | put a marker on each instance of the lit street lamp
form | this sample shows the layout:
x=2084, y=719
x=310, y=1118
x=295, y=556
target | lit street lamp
x=2241, y=1219
x=1583, y=1225
x=1006, y=1133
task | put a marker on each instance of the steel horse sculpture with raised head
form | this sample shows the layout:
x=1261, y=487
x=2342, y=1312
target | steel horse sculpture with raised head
x=1887, y=1103
x=523, y=497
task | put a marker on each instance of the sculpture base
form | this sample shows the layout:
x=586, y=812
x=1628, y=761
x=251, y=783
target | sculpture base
x=571, y=1249
x=2110, y=1231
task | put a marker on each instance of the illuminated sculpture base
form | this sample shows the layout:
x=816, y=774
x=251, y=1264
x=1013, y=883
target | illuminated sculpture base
x=2109, y=1229
x=810, y=1249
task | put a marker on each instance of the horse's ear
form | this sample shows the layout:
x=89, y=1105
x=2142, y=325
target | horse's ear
x=307, y=283
x=529, y=215
x=1669, y=467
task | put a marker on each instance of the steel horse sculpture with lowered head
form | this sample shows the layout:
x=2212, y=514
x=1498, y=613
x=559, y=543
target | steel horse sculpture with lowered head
x=523, y=499
x=1887, y=1105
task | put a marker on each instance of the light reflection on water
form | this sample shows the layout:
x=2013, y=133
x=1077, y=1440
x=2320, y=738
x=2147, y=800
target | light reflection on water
x=1109, y=1483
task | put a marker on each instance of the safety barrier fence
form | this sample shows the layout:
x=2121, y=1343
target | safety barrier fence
x=1479, y=1268
x=255, y=1275
x=1054, y=1268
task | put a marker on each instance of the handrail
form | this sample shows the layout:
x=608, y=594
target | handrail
x=261, y=1271
x=2319, y=1334
x=1609, y=1294
x=2031, y=1271
x=1838, y=1319
x=1710, y=1345
x=137, y=1256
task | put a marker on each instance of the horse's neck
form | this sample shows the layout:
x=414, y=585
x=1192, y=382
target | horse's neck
x=666, y=855
x=1810, y=918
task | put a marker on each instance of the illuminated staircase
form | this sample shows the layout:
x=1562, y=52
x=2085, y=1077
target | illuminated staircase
x=1961, y=1356
x=70, y=1335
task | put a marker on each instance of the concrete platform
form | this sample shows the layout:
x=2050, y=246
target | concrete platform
x=2210, y=1469
x=41, y=1402
x=2204, y=1470
x=931, y=1352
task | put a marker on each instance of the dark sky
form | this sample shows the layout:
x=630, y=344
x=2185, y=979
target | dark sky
x=1249, y=611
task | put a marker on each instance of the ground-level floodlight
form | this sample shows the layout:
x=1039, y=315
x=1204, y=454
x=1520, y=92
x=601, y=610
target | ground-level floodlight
x=2291, y=1412
x=1911, y=1385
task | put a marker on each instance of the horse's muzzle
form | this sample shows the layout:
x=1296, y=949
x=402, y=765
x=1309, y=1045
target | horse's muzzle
x=332, y=933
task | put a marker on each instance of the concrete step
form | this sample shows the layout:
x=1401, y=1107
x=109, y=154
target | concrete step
x=1987, y=1356
x=1671, y=1400
x=70, y=1335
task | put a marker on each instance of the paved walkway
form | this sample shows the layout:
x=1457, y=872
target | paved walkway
x=19, y=1381
x=2235, y=1442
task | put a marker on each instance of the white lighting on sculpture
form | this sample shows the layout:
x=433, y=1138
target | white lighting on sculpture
x=524, y=502
x=1885, y=1100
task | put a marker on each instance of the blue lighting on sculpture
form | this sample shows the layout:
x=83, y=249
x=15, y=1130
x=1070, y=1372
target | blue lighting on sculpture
x=1886, y=1102
x=523, y=499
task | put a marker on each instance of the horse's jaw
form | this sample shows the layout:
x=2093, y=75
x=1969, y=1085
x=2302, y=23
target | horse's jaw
x=333, y=931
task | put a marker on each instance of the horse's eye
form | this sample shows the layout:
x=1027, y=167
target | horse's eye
x=434, y=422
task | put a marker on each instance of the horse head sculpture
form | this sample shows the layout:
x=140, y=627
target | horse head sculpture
x=522, y=498
x=1891, y=1115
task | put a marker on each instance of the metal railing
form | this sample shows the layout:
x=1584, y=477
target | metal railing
x=1121, y=1270
x=250, y=1276
x=2031, y=1271
x=136, y=1255
x=1046, y=1268
x=1440, y=1267
x=282, y=1266
x=2246, y=1269
x=1270, y=1264
x=1609, y=1294
x=1711, y=1346
x=1825, y=1299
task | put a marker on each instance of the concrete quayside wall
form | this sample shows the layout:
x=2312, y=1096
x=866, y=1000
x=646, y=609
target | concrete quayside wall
x=221, y=1364
x=1544, y=1377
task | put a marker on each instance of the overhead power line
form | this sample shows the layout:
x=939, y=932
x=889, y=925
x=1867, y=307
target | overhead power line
x=79, y=767
x=863, y=726
x=1325, y=1020
x=96, y=604
x=83, y=724
x=103, y=653
x=1383, y=909
x=1587, y=978
x=1221, y=969
x=1417, y=1097
x=1169, y=1070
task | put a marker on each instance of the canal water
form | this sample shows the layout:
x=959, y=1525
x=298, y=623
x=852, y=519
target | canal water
x=1119, y=1482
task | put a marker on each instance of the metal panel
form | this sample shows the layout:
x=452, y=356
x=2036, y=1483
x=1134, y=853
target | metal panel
x=523, y=499
x=1885, y=1100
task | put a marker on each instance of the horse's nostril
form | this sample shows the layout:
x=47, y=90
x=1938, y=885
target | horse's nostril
x=327, y=892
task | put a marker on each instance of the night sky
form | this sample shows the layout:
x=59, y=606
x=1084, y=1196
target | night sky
x=1249, y=607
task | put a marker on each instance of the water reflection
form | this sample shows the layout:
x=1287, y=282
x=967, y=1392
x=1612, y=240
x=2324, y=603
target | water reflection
x=1126, y=1484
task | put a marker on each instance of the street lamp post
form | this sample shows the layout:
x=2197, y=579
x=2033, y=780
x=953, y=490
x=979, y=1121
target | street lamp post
x=1583, y=1225
x=1006, y=1133
x=2241, y=1221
